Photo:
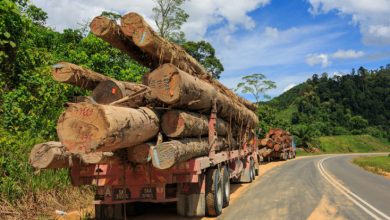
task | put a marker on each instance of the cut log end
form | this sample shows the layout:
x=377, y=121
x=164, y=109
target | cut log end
x=86, y=127
x=82, y=127
x=173, y=124
x=101, y=26
x=140, y=153
x=165, y=84
x=164, y=156
x=63, y=72
x=49, y=155
x=108, y=91
x=133, y=25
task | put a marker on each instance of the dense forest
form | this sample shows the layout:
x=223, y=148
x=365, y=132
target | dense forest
x=355, y=103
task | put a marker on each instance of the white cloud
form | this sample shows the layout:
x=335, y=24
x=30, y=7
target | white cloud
x=270, y=46
x=337, y=74
x=70, y=13
x=289, y=86
x=371, y=16
x=271, y=32
x=314, y=59
x=325, y=59
x=347, y=54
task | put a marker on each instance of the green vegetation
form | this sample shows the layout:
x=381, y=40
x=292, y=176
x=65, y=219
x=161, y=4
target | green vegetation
x=376, y=164
x=353, y=144
x=30, y=101
x=353, y=104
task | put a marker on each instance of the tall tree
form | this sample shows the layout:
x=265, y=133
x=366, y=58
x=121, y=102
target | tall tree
x=256, y=85
x=169, y=17
x=204, y=52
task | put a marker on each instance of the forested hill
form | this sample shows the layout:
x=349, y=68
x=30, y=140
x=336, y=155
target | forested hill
x=356, y=103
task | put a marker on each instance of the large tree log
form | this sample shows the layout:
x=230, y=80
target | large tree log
x=86, y=127
x=98, y=158
x=77, y=75
x=49, y=155
x=139, y=153
x=179, y=89
x=110, y=32
x=176, y=123
x=167, y=154
x=130, y=94
x=135, y=27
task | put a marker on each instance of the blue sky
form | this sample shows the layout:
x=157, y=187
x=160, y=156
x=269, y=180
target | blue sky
x=286, y=40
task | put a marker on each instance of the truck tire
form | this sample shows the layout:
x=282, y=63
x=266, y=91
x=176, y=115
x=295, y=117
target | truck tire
x=226, y=186
x=104, y=212
x=252, y=169
x=214, y=192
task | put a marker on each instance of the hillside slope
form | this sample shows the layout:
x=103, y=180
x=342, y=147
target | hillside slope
x=353, y=144
x=352, y=104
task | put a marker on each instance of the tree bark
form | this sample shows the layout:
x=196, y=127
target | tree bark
x=98, y=158
x=179, y=89
x=49, y=155
x=86, y=127
x=140, y=153
x=167, y=154
x=110, y=91
x=176, y=123
x=76, y=75
x=110, y=32
x=135, y=27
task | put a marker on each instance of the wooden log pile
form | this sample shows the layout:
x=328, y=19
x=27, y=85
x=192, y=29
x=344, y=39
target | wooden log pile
x=165, y=120
x=276, y=140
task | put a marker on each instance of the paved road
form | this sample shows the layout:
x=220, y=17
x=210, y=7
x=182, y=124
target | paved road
x=321, y=187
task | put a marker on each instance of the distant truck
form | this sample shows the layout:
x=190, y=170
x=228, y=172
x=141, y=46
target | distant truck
x=277, y=144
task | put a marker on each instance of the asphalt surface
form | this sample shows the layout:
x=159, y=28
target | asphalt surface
x=320, y=187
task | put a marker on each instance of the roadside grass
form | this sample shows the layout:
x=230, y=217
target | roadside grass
x=348, y=144
x=26, y=193
x=301, y=153
x=375, y=164
x=353, y=144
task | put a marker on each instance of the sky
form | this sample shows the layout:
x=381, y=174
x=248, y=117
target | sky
x=286, y=40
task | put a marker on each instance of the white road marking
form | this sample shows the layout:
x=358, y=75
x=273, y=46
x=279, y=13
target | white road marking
x=350, y=195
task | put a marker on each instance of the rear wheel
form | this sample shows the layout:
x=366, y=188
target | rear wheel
x=226, y=186
x=214, y=192
x=114, y=212
x=252, y=169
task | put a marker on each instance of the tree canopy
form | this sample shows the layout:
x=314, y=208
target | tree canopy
x=204, y=53
x=169, y=17
x=256, y=85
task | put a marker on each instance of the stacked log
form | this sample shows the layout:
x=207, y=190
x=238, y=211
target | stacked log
x=86, y=127
x=275, y=140
x=76, y=75
x=165, y=120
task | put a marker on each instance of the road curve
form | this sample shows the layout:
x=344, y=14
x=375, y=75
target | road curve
x=319, y=187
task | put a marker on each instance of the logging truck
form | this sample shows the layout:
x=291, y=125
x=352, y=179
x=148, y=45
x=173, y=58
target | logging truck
x=278, y=144
x=179, y=136
x=199, y=186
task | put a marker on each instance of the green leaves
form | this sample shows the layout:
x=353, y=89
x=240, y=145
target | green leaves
x=169, y=17
x=30, y=100
x=204, y=53
x=256, y=85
